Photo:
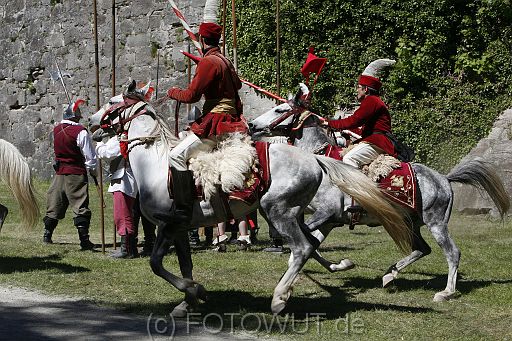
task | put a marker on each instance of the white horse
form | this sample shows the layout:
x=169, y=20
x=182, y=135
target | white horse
x=15, y=172
x=434, y=194
x=295, y=179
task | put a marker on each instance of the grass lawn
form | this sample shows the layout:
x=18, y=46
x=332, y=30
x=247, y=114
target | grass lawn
x=350, y=305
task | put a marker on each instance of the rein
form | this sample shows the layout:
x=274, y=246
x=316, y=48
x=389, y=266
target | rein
x=296, y=110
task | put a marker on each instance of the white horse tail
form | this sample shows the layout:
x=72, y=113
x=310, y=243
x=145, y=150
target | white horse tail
x=15, y=171
x=354, y=183
x=481, y=174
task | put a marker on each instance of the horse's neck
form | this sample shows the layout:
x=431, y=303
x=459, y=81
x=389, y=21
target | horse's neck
x=313, y=138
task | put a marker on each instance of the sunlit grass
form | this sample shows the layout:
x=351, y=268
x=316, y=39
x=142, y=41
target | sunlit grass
x=351, y=305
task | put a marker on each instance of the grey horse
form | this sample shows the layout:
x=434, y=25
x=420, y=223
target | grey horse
x=434, y=193
x=296, y=177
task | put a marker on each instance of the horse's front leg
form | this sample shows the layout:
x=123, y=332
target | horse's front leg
x=182, y=246
x=192, y=290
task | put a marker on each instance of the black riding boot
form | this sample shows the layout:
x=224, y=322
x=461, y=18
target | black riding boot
x=83, y=234
x=183, y=185
x=49, y=225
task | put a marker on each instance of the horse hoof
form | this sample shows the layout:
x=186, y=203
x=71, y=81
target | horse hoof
x=181, y=310
x=443, y=296
x=387, y=280
x=201, y=292
x=278, y=305
x=344, y=265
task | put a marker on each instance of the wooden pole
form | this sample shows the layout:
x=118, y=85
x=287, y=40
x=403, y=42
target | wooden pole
x=157, y=71
x=224, y=15
x=100, y=169
x=113, y=34
x=278, y=51
x=233, y=19
x=189, y=73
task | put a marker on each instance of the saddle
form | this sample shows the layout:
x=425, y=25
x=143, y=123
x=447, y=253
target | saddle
x=236, y=169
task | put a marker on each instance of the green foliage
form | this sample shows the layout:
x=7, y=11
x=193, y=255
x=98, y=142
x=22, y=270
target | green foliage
x=154, y=49
x=453, y=75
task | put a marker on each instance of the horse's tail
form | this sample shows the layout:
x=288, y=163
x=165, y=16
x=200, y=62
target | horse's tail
x=354, y=183
x=15, y=171
x=482, y=175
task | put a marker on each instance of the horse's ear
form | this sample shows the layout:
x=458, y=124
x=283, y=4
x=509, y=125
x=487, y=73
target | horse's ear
x=132, y=86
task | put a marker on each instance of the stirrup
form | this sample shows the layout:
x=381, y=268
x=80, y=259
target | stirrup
x=355, y=217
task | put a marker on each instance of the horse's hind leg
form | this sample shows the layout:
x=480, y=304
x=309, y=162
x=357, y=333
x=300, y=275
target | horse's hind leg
x=3, y=213
x=343, y=265
x=452, y=254
x=420, y=250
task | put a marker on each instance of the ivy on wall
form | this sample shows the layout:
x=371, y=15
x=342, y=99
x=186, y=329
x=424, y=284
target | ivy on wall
x=453, y=75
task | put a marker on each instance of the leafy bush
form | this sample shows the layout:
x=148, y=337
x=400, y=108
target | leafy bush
x=453, y=75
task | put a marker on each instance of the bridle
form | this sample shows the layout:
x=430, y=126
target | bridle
x=292, y=130
x=131, y=107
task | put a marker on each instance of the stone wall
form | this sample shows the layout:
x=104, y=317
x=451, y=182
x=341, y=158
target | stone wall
x=497, y=149
x=35, y=32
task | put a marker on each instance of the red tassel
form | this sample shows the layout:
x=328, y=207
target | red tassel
x=123, y=145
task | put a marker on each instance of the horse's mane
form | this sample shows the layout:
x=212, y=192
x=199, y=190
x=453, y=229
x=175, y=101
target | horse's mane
x=165, y=133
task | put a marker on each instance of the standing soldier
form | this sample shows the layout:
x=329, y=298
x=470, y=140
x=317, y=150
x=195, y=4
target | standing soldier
x=74, y=156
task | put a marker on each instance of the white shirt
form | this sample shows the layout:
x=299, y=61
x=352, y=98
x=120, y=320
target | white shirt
x=84, y=142
x=122, y=180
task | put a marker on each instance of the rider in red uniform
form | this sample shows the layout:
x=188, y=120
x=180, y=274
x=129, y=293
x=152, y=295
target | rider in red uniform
x=218, y=81
x=373, y=116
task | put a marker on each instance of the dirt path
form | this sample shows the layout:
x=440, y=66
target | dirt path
x=29, y=315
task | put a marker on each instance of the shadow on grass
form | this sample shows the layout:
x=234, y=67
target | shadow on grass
x=10, y=265
x=436, y=282
x=233, y=303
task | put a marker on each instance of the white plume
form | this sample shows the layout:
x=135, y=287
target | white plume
x=375, y=68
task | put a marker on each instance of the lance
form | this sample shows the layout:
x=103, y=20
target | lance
x=62, y=80
x=233, y=19
x=99, y=185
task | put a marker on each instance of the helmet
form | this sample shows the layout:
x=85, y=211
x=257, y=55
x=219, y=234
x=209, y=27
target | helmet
x=72, y=110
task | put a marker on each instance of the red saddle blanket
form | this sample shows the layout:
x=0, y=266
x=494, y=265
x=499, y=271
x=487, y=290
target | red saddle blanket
x=257, y=184
x=400, y=185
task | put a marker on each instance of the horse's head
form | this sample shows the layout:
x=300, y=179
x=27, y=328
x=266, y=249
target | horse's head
x=111, y=118
x=280, y=118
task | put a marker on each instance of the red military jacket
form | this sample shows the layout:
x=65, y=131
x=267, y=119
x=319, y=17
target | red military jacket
x=373, y=116
x=216, y=79
x=67, y=152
